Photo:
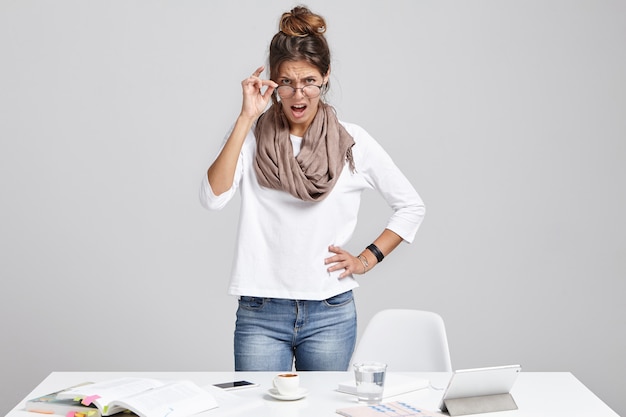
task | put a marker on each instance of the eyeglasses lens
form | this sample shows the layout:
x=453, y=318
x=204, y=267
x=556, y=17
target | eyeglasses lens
x=309, y=91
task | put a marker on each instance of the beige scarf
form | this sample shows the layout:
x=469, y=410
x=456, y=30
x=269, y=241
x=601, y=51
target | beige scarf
x=312, y=174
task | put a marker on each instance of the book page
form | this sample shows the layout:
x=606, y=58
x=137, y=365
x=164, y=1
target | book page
x=51, y=404
x=231, y=404
x=177, y=399
x=105, y=392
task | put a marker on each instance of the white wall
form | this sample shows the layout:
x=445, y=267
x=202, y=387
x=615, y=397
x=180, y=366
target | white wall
x=508, y=116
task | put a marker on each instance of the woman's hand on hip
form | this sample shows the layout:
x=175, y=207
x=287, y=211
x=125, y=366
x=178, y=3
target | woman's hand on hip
x=343, y=259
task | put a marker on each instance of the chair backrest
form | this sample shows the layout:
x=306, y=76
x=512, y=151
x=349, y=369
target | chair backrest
x=406, y=340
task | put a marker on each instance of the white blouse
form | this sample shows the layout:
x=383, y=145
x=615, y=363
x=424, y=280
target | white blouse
x=282, y=241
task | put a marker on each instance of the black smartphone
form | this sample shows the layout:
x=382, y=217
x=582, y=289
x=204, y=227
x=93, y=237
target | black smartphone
x=236, y=385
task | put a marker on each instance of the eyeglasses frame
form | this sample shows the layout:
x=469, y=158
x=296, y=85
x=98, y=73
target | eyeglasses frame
x=294, y=89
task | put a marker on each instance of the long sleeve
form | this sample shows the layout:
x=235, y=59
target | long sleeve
x=384, y=176
x=208, y=199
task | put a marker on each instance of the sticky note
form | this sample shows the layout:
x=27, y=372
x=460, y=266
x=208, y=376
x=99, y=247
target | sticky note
x=70, y=414
x=88, y=400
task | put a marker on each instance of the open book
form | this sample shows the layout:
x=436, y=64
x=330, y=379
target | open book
x=143, y=396
x=51, y=404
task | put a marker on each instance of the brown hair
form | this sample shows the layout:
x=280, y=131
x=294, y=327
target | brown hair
x=300, y=37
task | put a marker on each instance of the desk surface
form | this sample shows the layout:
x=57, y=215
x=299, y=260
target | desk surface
x=550, y=394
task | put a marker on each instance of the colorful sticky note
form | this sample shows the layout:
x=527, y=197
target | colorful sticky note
x=88, y=400
x=70, y=414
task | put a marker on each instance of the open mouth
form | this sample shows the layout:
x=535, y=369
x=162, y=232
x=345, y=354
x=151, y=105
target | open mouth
x=298, y=109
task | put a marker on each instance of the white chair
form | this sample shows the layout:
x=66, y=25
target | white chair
x=406, y=340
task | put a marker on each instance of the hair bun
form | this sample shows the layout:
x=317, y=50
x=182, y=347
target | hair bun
x=302, y=22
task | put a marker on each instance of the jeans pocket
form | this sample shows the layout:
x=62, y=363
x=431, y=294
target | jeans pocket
x=251, y=303
x=339, y=299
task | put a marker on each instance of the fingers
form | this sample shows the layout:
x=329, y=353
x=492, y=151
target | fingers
x=255, y=79
x=335, y=249
x=257, y=93
x=342, y=260
x=271, y=85
x=252, y=81
x=256, y=84
x=258, y=71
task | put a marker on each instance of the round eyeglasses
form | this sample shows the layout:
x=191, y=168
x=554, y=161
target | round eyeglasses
x=309, y=91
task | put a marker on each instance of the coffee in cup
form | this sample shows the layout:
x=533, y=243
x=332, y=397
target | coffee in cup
x=287, y=384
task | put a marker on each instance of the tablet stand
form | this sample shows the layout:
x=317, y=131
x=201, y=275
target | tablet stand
x=482, y=404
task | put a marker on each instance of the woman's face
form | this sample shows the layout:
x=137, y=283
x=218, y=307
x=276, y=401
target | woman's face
x=300, y=109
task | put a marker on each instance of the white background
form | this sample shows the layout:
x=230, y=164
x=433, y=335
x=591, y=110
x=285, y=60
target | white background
x=509, y=117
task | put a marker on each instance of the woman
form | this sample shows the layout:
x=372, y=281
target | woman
x=301, y=173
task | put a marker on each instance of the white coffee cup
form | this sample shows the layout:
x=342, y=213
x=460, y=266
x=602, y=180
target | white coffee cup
x=287, y=384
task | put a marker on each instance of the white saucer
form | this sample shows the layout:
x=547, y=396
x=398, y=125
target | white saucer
x=301, y=393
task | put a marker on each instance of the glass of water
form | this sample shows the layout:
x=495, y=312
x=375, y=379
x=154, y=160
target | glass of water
x=370, y=381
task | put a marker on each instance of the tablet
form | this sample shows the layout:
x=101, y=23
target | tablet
x=480, y=381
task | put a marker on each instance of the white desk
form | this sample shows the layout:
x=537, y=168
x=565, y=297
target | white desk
x=549, y=394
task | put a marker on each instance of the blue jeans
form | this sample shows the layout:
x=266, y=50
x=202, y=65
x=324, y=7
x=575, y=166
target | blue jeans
x=271, y=333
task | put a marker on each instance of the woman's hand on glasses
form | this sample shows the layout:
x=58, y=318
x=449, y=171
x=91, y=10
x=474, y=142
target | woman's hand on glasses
x=257, y=93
